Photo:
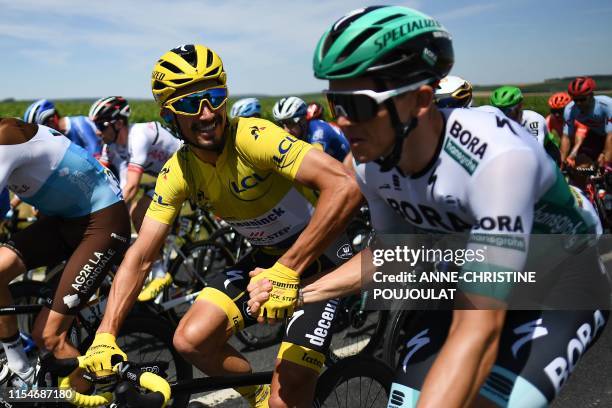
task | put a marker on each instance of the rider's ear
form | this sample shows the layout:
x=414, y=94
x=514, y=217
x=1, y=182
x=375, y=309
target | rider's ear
x=424, y=96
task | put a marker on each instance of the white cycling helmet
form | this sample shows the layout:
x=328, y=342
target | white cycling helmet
x=453, y=92
x=288, y=108
x=246, y=108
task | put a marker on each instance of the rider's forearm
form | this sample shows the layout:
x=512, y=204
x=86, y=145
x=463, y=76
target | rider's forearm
x=608, y=148
x=336, y=205
x=346, y=279
x=465, y=360
x=565, y=147
x=129, y=192
x=127, y=284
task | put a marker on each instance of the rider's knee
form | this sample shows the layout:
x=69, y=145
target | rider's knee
x=10, y=266
x=188, y=340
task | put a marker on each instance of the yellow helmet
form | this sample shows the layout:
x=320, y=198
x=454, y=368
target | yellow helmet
x=183, y=66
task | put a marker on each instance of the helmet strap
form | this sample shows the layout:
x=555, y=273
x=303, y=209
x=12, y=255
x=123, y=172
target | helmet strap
x=402, y=130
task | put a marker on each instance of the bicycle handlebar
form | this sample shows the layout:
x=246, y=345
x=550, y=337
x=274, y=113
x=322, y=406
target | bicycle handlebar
x=126, y=394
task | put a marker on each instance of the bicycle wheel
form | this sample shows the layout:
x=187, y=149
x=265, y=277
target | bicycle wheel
x=396, y=335
x=191, y=270
x=357, y=381
x=356, y=330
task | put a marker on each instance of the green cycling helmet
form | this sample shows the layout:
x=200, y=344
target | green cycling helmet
x=506, y=96
x=388, y=42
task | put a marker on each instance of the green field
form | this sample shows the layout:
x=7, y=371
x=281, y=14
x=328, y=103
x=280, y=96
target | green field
x=145, y=111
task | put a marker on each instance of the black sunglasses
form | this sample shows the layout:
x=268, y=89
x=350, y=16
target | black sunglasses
x=363, y=105
x=101, y=126
x=289, y=122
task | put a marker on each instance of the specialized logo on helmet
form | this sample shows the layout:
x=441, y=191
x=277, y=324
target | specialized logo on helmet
x=183, y=49
x=158, y=75
x=403, y=30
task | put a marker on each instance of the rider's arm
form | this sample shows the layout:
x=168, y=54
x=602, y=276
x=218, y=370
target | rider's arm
x=130, y=277
x=170, y=193
x=131, y=186
x=567, y=131
x=339, y=198
x=465, y=360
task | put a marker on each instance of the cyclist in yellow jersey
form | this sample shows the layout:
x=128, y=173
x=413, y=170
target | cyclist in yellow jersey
x=261, y=180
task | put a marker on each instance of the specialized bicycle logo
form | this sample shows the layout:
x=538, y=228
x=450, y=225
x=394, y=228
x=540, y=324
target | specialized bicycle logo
x=345, y=252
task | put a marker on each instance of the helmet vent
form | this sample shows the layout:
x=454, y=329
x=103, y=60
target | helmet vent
x=346, y=70
x=389, y=18
x=180, y=81
x=213, y=72
x=171, y=67
x=209, y=58
x=158, y=85
x=356, y=42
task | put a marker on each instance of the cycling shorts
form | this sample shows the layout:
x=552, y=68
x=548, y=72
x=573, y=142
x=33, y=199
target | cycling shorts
x=308, y=332
x=91, y=245
x=538, y=350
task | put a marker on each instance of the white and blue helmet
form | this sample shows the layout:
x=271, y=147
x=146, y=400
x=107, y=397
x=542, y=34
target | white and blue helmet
x=287, y=108
x=39, y=112
x=246, y=108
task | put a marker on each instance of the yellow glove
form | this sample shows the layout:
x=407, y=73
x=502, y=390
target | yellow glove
x=284, y=294
x=103, y=354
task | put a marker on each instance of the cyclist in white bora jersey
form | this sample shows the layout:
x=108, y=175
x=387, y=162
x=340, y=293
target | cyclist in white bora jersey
x=133, y=150
x=453, y=170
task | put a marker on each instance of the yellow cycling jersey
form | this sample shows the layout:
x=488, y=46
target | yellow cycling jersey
x=251, y=186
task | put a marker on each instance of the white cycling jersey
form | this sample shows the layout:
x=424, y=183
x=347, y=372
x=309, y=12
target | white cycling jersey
x=489, y=177
x=148, y=148
x=535, y=124
x=56, y=176
x=532, y=121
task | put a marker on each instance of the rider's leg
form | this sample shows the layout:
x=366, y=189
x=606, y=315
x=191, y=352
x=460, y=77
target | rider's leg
x=50, y=333
x=11, y=266
x=302, y=355
x=97, y=242
x=293, y=385
x=23, y=252
x=204, y=341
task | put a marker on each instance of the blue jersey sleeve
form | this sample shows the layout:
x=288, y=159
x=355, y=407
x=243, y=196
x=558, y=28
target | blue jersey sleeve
x=83, y=133
x=331, y=139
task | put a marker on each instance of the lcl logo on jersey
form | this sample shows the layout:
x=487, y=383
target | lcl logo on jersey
x=248, y=182
x=283, y=148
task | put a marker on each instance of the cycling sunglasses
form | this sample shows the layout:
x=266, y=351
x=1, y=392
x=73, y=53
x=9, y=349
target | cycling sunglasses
x=289, y=122
x=191, y=104
x=101, y=126
x=363, y=105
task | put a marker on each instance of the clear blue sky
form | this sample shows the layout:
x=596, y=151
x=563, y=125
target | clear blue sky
x=74, y=48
